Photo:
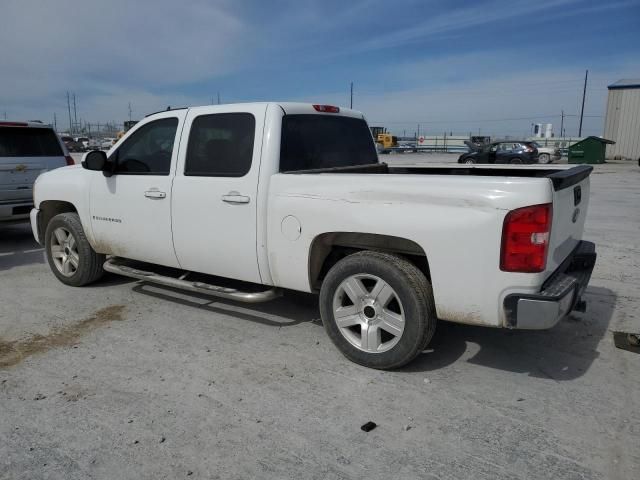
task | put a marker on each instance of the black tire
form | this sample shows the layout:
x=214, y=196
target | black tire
x=469, y=161
x=412, y=290
x=89, y=268
x=544, y=158
x=516, y=161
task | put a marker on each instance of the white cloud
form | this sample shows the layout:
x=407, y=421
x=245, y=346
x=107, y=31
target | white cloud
x=100, y=48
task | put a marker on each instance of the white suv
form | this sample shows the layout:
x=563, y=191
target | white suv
x=27, y=149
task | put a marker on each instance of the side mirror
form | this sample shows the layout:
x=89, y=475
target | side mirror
x=95, y=160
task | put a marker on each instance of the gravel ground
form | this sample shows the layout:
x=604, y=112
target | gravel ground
x=127, y=380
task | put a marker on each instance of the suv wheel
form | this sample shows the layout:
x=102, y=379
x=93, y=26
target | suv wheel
x=71, y=258
x=378, y=309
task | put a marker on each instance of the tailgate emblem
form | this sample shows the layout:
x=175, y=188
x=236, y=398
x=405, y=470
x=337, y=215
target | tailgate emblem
x=577, y=195
x=576, y=214
x=21, y=168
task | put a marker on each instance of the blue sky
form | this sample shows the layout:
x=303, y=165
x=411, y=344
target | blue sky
x=453, y=66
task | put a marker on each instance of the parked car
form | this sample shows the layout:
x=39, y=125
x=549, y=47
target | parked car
x=84, y=141
x=547, y=154
x=501, y=152
x=72, y=145
x=107, y=143
x=94, y=144
x=273, y=196
x=27, y=149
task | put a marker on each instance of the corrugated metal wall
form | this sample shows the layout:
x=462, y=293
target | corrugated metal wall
x=622, y=123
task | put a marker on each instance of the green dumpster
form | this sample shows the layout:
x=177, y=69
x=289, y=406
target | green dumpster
x=589, y=150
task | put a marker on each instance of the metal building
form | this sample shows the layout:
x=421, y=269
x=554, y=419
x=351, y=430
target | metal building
x=622, y=122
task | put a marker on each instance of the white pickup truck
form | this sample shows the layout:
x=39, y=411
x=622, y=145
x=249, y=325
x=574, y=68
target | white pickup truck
x=274, y=196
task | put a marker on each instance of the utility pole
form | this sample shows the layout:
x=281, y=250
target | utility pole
x=129, y=111
x=55, y=122
x=218, y=98
x=75, y=113
x=351, y=102
x=69, y=109
x=562, y=123
x=584, y=94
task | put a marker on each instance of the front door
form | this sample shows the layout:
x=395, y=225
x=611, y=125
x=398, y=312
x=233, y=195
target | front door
x=214, y=202
x=131, y=210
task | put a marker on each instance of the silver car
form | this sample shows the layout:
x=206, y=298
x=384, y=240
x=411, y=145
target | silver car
x=27, y=149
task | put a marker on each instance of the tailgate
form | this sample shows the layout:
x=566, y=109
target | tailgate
x=570, y=203
x=17, y=176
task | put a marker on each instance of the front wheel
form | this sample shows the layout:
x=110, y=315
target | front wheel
x=544, y=158
x=516, y=161
x=71, y=258
x=378, y=309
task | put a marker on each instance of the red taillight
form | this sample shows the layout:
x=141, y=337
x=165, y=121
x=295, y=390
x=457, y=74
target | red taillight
x=69, y=160
x=14, y=124
x=327, y=108
x=525, y=239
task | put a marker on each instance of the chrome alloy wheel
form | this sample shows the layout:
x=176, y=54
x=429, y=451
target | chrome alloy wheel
x=368, y=313
x=64, y=252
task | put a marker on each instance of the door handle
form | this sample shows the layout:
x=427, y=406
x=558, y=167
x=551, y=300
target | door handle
x=154, y=194
x=235, y=197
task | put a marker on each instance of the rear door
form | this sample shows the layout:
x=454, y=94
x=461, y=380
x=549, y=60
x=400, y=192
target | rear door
x=25, y=153
x=131, y=210
x=214, y=197
x=504, y=152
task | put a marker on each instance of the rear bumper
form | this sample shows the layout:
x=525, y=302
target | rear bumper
x=15, y=210
x=560, y=294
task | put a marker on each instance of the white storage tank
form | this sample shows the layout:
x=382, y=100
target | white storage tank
x=543, y=130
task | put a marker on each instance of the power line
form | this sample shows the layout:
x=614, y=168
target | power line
x=481, y=120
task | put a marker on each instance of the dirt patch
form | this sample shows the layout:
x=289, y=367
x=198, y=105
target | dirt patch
x=13, y=352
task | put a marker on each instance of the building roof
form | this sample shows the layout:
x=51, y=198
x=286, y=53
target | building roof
x=625, y=83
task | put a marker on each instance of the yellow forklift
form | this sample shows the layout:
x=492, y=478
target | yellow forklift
x=385, y=140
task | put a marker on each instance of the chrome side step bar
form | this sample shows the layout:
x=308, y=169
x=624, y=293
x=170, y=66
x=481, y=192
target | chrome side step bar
x=118, y=266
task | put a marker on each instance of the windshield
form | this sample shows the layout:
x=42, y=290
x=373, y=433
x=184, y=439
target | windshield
x=320, y=141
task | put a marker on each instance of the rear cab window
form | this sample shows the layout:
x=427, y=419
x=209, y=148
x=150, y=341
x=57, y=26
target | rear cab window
x=29, y=142
x=311, y=142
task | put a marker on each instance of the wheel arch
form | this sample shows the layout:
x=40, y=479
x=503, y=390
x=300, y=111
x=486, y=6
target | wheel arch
x=48, y=210
x=330, y=247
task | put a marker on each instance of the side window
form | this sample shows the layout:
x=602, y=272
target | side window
x=220, y=145
x=148, y=151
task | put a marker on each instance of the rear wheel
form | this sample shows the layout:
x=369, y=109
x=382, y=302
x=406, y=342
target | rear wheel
x=544, y=158
x=469, y=161
x=516, y=161
x=378, y=309
x=71, y=258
